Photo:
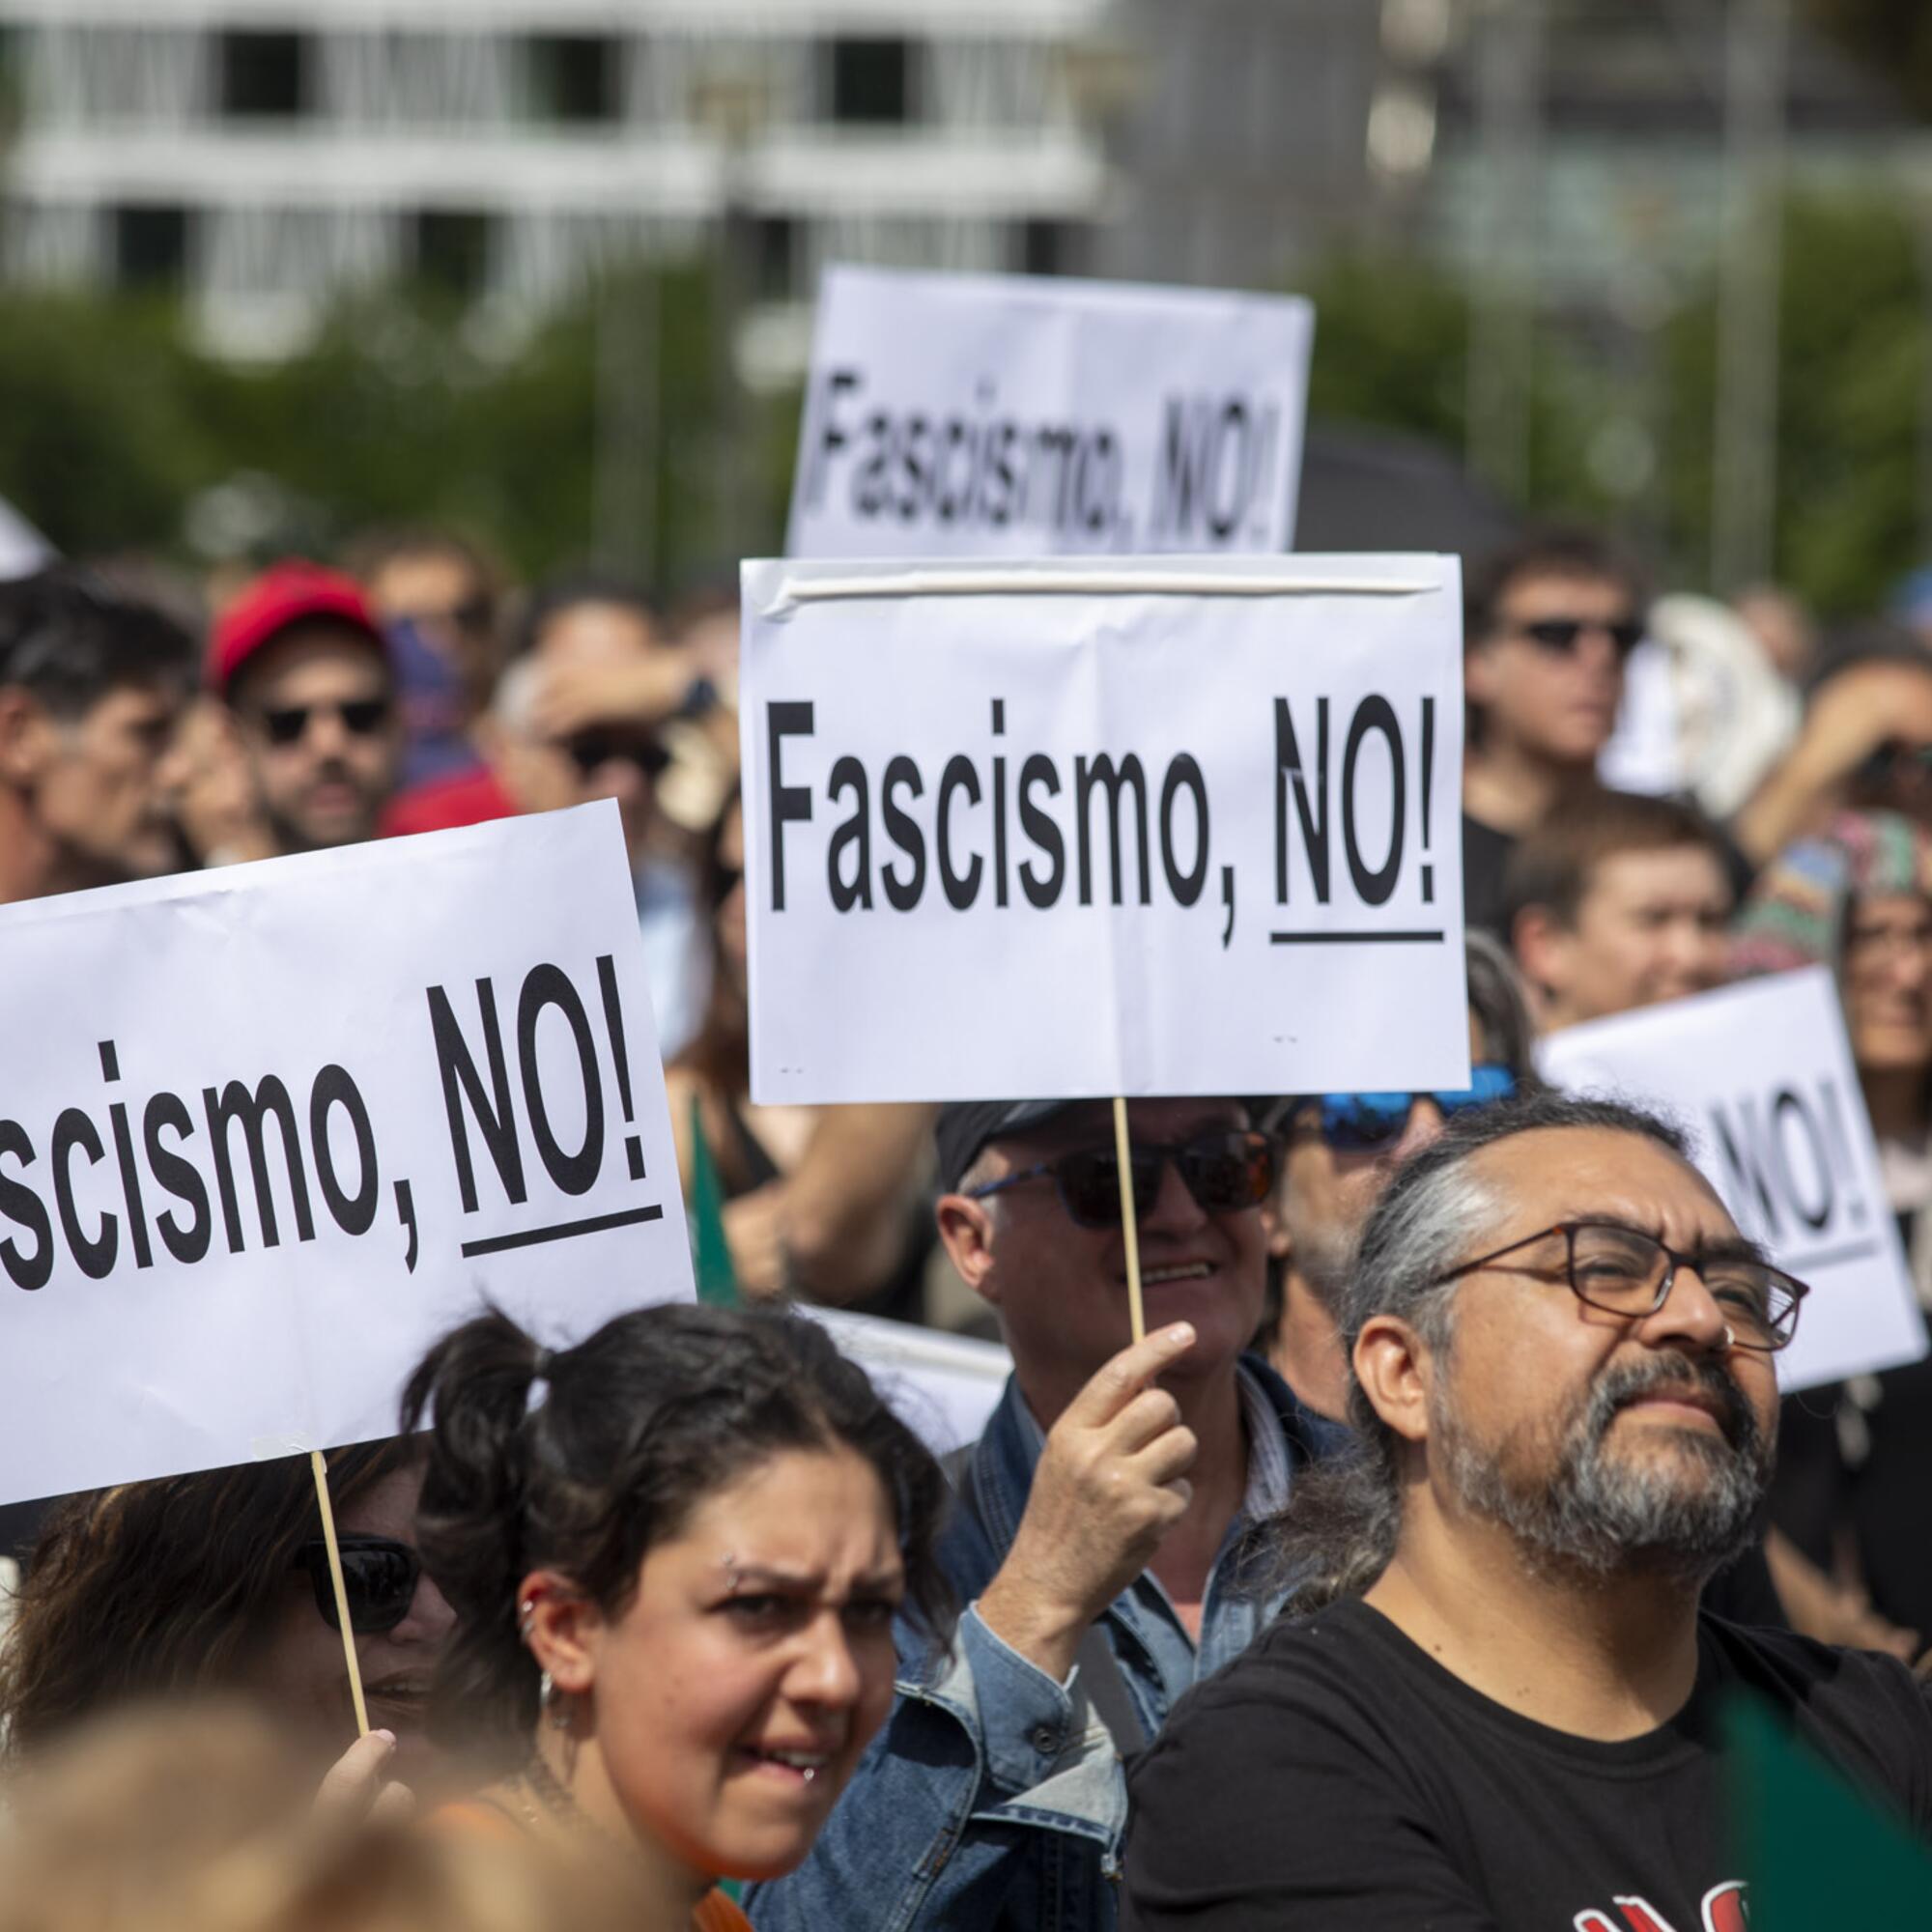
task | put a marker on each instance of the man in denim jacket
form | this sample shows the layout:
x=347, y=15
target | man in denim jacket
x=1098, y=1544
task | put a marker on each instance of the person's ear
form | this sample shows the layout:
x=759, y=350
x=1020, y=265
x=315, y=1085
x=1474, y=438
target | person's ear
x=562, y=1629
x=1479, y=671
x=26, y=737
x=966, y=1228
x=1395, y=1368
x=1543, y=945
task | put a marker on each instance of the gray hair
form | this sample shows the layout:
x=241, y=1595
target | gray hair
x=1339, y=1530
x=1495, y=999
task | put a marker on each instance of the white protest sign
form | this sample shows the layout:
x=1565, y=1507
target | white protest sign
x=265, y=1132
x=943, y=1388
x=1761, y=1076
x=1063, y=830
x=1002, y=415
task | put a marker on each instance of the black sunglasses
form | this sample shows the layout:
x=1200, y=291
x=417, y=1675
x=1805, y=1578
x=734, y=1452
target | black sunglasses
x=1225, y=1172
x=1895, y=759
x=288, y=724
x=1560, y=636
x=590, y=748
x=379, y=1578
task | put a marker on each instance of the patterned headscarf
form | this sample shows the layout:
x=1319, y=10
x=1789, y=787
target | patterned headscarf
x=1796, y=913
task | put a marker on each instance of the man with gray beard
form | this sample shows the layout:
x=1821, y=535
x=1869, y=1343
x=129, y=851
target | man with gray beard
x=1501, y=1715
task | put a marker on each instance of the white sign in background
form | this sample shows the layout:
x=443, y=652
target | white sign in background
x=943, y=1388
x=265, y=1132
x=983, y=415
x=1761, y=1076
x=1061, y=830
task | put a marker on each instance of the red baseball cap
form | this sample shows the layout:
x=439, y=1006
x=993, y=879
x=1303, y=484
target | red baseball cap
x=286, y=593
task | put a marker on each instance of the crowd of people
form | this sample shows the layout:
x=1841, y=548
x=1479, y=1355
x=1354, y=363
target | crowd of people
x=1398, y=1577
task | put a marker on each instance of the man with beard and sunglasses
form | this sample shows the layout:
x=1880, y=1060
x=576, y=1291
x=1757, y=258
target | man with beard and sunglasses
x=1100, y=1541
x=304, y=671
x=1504, y=1710
x=1549, y=623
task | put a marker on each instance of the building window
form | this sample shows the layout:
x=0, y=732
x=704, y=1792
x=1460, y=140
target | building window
x=574, y=77
x=149, y=246
x=452, y=249
x=264, y=77
x=871, y=82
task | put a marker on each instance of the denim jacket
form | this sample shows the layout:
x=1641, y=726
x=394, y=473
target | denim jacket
x=993, y=1800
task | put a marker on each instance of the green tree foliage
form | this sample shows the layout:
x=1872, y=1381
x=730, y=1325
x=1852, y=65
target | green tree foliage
x=1853, y=340
x=112, y=424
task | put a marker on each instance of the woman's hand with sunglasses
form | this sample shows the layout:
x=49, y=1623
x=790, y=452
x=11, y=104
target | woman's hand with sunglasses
x=1110, y=1484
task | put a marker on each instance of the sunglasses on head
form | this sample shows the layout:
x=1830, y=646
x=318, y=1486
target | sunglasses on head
x=379, y=1578
x=288, y=724
x=1560, y=636
x=1364, y=1123
x=1225, y=1171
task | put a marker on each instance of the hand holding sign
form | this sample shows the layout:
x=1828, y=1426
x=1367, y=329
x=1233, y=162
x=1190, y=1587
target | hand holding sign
x=1111, y=1482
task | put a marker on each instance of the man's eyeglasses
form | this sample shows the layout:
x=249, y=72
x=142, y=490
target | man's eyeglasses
x=1225, y=1172
x=1625, y=1272
x=1368, y=1123
x=379, y=1578
x=1559, y=636
x=361, y=718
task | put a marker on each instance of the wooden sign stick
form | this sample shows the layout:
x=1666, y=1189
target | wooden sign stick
x=1129, y=1225
x=320, y=1468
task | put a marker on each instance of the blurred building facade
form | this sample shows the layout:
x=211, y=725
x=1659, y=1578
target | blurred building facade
x=266, y=155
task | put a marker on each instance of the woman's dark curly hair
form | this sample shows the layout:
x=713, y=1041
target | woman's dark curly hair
x=658, y=1409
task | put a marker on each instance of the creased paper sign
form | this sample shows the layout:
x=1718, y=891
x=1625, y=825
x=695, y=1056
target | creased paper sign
x=983, y=416
x=1063, y=830
x=1761, y=1076
x=265, y=1132
x=943, y=1388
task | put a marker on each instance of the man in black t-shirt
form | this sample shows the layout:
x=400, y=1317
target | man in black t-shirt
x=1504, y=1714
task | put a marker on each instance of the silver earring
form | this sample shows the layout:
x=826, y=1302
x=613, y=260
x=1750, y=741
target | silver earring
x=553, y=1703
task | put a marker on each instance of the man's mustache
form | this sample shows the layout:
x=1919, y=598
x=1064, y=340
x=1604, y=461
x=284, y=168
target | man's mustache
x=1624, y=1384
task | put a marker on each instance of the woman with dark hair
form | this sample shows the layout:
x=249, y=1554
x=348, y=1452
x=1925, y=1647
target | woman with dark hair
x=219, y=1581
x=676, y=1552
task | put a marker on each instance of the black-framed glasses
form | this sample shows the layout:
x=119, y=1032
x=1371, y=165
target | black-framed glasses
x=1623, y=1271
x=1225, y=1171
x=1369, y=1122
x=361, y=718
x=379, y=1578
x=1560, y=636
